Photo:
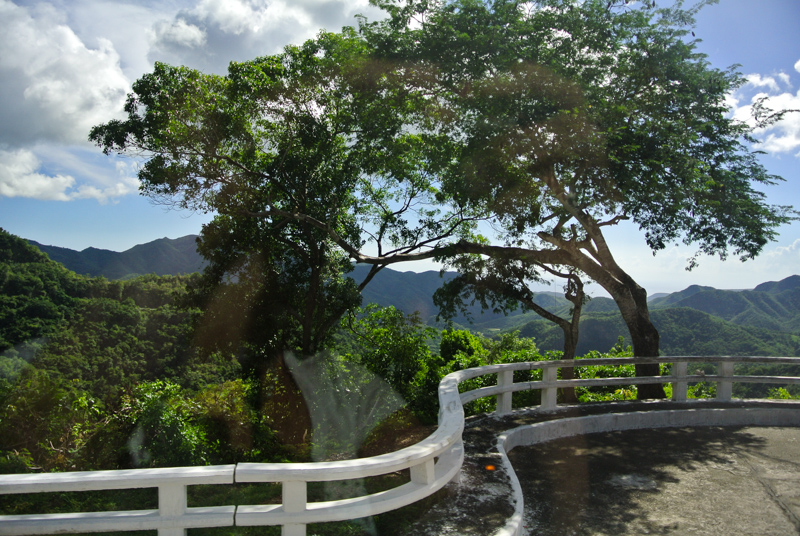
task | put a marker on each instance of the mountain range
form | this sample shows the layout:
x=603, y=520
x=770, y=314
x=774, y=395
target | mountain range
x=698, y=320
x=164, y=256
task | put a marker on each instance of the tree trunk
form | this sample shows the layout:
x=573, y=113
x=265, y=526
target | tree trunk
x=571, y=331
x=575, y=294
x=568, y=373
x=644, y=335
x=645, y=344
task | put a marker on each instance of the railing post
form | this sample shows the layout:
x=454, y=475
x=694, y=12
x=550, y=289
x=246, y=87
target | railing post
x=549, y=394
x=725, y=387
x=424, y=473
x=295, y=499
x=504, y=379
x=679, y=385
x=171, y=503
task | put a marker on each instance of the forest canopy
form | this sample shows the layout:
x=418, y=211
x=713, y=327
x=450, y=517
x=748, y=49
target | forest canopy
x=125, y=358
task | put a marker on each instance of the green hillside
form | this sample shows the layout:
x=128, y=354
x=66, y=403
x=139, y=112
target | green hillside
x=761, y=321
x=773, y=306
x=36, y=294
x=683, y=331
x=161, y=257
x=103, y=335
x=776, y=287
x=670, y=300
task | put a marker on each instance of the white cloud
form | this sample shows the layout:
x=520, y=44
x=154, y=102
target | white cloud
x=178, y=33
x=782, y=251
x=123, y=23
x=19, y=178
x=243, y=16
x=55, y=87
x=105, y=195
x=757, y=80
x=21, y=175
x=797, y=66
x=239, y=30
x=783, y=136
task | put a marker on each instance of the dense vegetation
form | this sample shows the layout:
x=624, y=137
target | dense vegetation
x=762, y=321
x=314, y=156
x=684, y=331
x=88, y=365
x=112, y=374
x=76, y=349
x=99, y=374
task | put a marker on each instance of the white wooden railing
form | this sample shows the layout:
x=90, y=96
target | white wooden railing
x=680, y=380
x=432, y=462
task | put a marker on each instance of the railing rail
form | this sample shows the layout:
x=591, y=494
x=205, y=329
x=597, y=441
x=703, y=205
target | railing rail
x=171, y=517
x=679, y=378
x=432, y=462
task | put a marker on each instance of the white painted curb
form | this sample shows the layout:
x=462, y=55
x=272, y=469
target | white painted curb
x=542, y=432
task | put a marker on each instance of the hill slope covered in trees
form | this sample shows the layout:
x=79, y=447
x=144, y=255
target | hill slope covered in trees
x=760, y=321
x=683, y=331
x=773, y=305
x=89, y=363
x=161, y=257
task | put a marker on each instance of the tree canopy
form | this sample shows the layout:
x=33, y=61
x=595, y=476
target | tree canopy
x=264, y=292
x=565, y=117
x=549, y=119
x=302, y=158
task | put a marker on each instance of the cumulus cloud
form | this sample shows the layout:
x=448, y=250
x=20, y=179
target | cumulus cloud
x=214, y=32
x=783, y=136
x=55, y=87
x=178, y=34
x=67, y=67
x=757, y=80
x=21, y=175
x=123, y=23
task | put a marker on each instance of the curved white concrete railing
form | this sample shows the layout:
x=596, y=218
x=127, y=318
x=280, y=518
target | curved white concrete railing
x=432, y=462
x=542, y=432
x=698, y=414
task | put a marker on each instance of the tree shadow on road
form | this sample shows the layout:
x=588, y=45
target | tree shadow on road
x=603, y=483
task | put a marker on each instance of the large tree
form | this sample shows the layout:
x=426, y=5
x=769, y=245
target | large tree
x=565, y=117
x=264, y=291
x=272, y=149
x=303, y=159
x=551, y=119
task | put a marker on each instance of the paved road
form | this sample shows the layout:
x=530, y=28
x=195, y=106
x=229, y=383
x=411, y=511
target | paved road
x=702, y=481
x=689, y=481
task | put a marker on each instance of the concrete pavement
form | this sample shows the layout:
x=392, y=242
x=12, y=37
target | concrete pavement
x=693, y=481
x=702, y=481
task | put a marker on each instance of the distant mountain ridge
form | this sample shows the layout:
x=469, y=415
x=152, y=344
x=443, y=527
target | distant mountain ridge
x=790, y=283
x=692, y=320
x=774, y=305
x=164, y=256
x=408, y=291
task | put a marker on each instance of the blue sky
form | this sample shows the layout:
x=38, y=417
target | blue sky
x=66, y=65
x=763, y=38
